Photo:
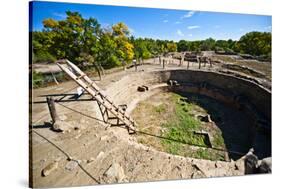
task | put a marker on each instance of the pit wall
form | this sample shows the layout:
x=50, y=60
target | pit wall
x=252, y=99
x=226, y=88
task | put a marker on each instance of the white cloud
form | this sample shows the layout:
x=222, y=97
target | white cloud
x=131, y=30
x=190, y=35
x=217, y=26
x=179, y=32
x=268, y=28
x=188, y=15
x=60, y=15
x=105, y=25
x=193, y=27
x=165, y=21
x=177, y=22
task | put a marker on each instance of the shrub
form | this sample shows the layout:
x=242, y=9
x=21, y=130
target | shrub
x=43, y=56
x=112, y=61
x=37, y=79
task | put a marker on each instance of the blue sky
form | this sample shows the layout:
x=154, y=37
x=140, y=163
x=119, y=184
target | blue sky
x=159, y=23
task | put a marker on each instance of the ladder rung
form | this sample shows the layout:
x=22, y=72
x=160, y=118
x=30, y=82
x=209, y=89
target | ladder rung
x=89, y=85
x=81, y=76
x=96, y=94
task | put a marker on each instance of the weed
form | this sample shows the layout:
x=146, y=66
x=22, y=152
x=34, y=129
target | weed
x=160, y=108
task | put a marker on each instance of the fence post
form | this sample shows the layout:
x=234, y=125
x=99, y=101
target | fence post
x=52, y=109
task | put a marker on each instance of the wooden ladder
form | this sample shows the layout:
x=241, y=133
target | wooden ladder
x=106, y=105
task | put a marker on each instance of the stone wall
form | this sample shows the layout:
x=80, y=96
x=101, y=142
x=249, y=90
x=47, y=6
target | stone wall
x=252, y=92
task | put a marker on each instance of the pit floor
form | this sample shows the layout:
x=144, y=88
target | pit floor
x=228, y=128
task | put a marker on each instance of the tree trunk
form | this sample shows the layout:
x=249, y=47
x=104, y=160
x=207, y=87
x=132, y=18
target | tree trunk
x=98, y=70
x=124, y=65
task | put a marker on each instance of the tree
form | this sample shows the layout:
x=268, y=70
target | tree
x=171, y=47
x=255, y=43
x=208, y=44
x=183, y=46
x=124, y=51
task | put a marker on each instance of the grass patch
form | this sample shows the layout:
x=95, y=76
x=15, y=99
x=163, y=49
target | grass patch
x=202, y=154
x=160, y=108
x=174, y=120
x=37, y=79
x=218, y=140
x=180, y=128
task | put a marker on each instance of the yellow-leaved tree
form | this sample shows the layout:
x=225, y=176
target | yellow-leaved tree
x=125, y=50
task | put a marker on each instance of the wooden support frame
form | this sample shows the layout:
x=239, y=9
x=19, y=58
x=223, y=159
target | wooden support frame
x=103, y=100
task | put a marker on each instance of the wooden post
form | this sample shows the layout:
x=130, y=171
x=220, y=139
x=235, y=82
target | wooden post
x=187, y=64
x=160, y=60
x=163, y=63
x=199, y=62
x=210, y=61
x=55, y=78
x=205, y=61
x=135, y=63
x=52, y=109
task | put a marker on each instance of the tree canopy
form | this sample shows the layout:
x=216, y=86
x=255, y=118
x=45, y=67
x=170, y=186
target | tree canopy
x=84, y=41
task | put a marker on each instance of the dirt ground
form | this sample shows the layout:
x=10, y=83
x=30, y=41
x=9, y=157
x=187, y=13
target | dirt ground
x=91, y=153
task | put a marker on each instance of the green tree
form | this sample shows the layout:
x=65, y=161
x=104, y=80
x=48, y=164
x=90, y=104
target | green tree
x=255, y=43
x=171, y=47
x=208, y=44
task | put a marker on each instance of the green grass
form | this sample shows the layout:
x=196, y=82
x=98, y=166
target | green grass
x=218, y=140
x=202, y=154
x=179, y=123
x=160, y=108
x=181, y=127
x=208, y=154
x=37, y=79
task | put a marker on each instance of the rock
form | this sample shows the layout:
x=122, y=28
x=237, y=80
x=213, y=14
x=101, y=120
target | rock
x=115, y=173
x=172, y=82
x=61, y=126
x=71, y=165
x=70, y=158
x=240, y=165
x=205, y=118
x=141, y=89
x=251, y=163
x=105, y=137
x=265, y=165
x=76, y=128
x=100, y=155
x=196, y=175
x=218, y=164
x=77, y=136
x=50, y=168
x=63, y=117
x=90, y=160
